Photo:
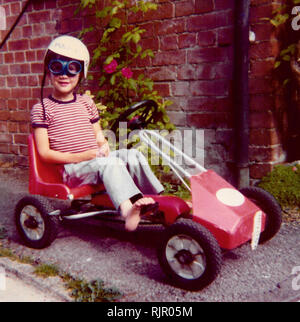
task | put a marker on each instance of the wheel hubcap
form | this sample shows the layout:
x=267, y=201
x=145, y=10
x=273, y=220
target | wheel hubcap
x=185, y=256
x=32, y=222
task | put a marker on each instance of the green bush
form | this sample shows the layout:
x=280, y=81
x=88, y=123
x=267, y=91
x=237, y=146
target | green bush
x=284, y=184
x=117, y=53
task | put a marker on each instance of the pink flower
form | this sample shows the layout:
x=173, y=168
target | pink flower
x=127, y=72
x=111, y=67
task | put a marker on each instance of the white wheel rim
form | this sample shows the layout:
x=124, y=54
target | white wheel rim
x=185, y=256
x=30, y=212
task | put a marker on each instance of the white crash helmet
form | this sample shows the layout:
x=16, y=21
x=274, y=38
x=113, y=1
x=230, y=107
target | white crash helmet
x=71, y=47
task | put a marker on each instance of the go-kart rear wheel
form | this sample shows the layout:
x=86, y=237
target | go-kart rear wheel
x=189, y=255
x=36, y=227
x=268, y=204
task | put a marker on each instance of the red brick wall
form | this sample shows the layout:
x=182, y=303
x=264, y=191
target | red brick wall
x=193, y=45
x=265, y=117
x=21, y=70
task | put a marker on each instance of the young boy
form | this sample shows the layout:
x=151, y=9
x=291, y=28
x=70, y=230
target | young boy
x=67, y=132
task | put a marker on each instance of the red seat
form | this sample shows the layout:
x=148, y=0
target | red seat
x=45, y=178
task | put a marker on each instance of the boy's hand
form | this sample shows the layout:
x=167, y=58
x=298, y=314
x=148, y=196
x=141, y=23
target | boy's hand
x=90, y=154
x=103, y=151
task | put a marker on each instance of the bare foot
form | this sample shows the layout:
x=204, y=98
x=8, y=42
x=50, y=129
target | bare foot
x=133, y=217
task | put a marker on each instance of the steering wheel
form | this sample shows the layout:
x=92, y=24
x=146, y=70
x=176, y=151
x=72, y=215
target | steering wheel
x=146, y=113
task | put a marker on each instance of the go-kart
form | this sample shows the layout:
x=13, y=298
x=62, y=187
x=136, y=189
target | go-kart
x=190, y=249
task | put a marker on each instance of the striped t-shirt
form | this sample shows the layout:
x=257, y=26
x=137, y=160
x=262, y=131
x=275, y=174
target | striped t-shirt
x=69, y=124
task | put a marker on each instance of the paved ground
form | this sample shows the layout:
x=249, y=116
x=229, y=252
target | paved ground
x=16, y=290
x=128, y=261
x=18, y=283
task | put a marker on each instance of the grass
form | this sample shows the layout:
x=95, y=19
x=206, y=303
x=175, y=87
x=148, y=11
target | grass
x=283, y=182
x=7, y=252
x=46, y=270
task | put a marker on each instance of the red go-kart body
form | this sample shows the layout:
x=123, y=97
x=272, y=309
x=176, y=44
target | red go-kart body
x=232, y=226
x=223, y=210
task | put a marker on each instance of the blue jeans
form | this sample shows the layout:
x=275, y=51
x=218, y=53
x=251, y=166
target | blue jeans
x=124, y=173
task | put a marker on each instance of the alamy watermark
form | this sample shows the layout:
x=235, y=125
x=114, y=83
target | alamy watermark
x=2, y=18
x=296, y=20
x=189, y=142
x=2, y=279
x=296, y=279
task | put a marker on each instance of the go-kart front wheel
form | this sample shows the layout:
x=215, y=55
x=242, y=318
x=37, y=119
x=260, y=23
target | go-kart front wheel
x=36, y=227
x=268, y=204
x=189, y=255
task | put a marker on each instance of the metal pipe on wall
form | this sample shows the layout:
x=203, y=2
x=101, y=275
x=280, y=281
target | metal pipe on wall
x=241, y=91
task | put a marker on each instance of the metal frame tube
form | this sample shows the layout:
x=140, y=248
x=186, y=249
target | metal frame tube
x=91, y=214
x=84, y=214
x=145, y=136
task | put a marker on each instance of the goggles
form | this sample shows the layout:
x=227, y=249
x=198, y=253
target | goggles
x=60, y=67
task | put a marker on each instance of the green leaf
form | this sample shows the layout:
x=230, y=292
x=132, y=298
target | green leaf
x=108, y=60
x=115, y=23
x=85, y=3
x=106, y=34
x=141, y=77
x=103, y=13
x=145, y=6
x=98, y=52
x=149, y=84
x=101, y=93
x=127, y=37
x=84, y=31
x=119, y=4
x=147, y=52
x=113, y=79
x=168, y=102
x=277, y=64
x=289, y=50
x=102, y=80
x=136, y=38
x=166, y=119
x=132, y=84
x=279, y=19
x=286, y=58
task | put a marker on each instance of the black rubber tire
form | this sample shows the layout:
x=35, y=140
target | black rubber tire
x=48, y=224
x=183, y=228
x=268, y=204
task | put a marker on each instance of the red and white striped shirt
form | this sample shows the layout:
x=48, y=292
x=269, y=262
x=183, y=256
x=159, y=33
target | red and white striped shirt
x=69, y=124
